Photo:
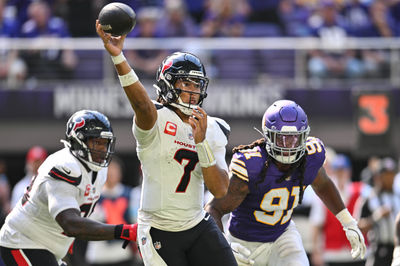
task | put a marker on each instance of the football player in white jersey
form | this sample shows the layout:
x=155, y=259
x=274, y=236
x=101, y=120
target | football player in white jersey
x=52, y=212
x=180, y=149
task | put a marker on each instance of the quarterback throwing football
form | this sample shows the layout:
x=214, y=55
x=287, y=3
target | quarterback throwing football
x=180, y=149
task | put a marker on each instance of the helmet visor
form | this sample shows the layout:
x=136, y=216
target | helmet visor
x=288, y=141
x=286, y=147
x=190, y=84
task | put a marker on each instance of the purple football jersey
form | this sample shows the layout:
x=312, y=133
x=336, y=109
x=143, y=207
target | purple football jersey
x=266, y=211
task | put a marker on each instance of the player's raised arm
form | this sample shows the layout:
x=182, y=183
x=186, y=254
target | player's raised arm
x=145, y=111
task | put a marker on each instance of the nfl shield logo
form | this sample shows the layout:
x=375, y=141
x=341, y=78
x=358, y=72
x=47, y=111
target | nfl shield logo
x=143, y=241
x=157, y=245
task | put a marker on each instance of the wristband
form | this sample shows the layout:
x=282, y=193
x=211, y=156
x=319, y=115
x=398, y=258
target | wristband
x=128, y=79
x=205, y=154
x=345, y=217
x=118, y=59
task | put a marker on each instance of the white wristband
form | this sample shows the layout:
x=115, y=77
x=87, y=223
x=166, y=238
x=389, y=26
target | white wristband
x=118, y=59
x=345, y=218
x=205, y=154
x=128, y=79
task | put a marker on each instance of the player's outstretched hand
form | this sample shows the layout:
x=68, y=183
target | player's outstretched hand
x=356, y=240
x=112, y=44
x=128, y=232
x=240, y=252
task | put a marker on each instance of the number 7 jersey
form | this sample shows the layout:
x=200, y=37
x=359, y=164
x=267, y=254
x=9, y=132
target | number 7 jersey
x=266, y=211
x=173, y=184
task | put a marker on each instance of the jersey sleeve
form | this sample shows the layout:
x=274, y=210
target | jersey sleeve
x=315, y=158
x=66, y=171
x=238, y=167
x=60, y=196
x=145, y=137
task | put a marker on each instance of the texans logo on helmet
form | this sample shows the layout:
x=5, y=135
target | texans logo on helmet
x=79, y=124
x=167, y=65
x=75, y=125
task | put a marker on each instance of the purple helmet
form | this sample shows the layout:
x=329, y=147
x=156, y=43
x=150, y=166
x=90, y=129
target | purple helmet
x=285, y=128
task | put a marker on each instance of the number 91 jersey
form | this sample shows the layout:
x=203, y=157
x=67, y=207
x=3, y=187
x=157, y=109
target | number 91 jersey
x=267, y=210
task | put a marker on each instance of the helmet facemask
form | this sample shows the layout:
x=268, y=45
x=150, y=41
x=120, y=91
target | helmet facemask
x=200, y=85
x=287, y=145
x=84, y=149
x=285, y=128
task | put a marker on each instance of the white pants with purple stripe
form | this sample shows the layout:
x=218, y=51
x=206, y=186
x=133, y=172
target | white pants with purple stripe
x=287, y=250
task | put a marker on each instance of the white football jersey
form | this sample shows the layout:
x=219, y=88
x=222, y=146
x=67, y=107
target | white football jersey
x=173, y=185
x=62, y=183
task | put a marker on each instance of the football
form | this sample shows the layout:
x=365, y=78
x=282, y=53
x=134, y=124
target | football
x=117, y=19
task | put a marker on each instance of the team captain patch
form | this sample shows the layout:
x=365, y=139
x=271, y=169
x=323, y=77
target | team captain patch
x=57, y=174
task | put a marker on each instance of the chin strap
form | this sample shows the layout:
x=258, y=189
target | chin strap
x=185, y=108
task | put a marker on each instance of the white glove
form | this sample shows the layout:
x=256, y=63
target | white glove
x=241, y=253
x=356, y=240
x=353, y=234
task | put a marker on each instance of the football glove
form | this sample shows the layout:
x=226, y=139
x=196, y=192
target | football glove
x=353, y=234
x=241, y=253
x=356, y=240
x=127, y=232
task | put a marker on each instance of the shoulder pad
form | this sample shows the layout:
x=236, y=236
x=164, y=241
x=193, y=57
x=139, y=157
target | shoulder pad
x=66, y=173
x=226, y=129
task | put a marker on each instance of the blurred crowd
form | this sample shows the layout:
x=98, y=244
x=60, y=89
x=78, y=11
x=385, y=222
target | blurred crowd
x=330, y=20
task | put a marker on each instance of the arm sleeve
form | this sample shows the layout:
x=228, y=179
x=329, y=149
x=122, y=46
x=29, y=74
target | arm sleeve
x=61, y=196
